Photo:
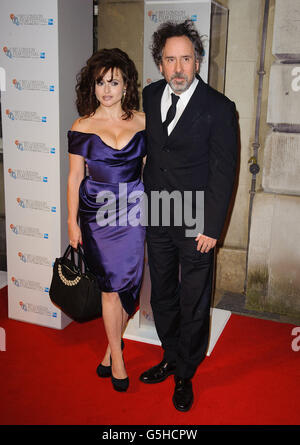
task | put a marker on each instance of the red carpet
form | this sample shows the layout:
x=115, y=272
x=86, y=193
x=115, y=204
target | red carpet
x=48, y=377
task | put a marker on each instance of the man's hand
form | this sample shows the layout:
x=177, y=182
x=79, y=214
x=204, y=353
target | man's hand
x=205, y=243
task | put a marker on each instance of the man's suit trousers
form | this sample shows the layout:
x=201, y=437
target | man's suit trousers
x=181, y=289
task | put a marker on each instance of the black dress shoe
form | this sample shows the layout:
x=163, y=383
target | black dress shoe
x=183, y=394
x=105, y=371
x=158, y=373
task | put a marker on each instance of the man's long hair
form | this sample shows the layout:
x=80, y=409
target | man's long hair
x=171, y=29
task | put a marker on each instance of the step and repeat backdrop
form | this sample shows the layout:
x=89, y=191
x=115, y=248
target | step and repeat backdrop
x=41, y=52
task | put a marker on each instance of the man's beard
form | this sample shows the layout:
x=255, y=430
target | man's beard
x=182, y=85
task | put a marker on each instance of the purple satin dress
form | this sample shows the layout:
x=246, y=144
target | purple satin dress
x=110, y=211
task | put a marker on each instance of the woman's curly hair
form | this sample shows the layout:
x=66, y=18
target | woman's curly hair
x=95, y=69
x=171, y=29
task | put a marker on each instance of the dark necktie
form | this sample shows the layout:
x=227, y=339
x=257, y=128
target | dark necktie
x=171, y=112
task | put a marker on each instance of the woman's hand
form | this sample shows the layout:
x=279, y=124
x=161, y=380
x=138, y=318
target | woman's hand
x=74, y=234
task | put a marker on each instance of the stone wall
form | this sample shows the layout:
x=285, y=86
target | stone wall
x=274, y=251
x=243, y=50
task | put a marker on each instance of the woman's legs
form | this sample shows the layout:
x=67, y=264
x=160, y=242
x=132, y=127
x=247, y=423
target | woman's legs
x=115, y=319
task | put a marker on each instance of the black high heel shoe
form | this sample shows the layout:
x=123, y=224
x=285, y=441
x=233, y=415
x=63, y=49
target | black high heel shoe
x=105, y=371
x=120, y=385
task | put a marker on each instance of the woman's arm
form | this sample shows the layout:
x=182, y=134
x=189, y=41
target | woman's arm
x=76, y=174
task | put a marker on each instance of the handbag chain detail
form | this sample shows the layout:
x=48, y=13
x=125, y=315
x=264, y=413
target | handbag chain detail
x=65, y=280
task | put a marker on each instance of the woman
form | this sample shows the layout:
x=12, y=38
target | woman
x=109, y=137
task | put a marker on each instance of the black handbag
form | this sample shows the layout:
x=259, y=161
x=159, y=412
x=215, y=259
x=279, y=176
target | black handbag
x=74, y=291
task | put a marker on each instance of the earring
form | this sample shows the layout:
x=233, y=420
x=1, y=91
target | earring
x=124, y=95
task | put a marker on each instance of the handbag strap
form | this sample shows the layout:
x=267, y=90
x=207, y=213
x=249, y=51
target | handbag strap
x=81, y=257
x=67, y=251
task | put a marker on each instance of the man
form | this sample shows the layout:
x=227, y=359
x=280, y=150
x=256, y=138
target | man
x=196, y=151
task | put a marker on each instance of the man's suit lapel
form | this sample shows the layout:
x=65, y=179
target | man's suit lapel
x=155, y=115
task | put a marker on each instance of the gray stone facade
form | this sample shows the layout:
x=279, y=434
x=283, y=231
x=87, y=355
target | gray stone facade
x=274, y=250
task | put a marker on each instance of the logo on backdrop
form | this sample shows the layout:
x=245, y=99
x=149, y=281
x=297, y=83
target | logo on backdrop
x=27, y=175
x=37, y=309
x=165, y=15
x=153, y=16
x=17, y=52
x=29, y=284
x=34, y=146
x=32, y=85
x=35, y=259
x=34, y=204
x=35, y=232
x=30, y=19
x=24, y=115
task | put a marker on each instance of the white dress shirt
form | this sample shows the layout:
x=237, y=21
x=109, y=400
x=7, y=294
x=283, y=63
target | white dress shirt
x=184, y=98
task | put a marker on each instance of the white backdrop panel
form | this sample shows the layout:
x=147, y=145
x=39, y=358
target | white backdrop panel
x=41, y=52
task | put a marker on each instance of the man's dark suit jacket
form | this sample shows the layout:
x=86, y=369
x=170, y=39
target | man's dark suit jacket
x=199, y=154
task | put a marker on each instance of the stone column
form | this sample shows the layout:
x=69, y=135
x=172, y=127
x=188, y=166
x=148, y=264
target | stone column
x=274, y=250
x=244, y=39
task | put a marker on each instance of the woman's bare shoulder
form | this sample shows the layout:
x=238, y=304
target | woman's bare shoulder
x=80, y=124
x=139, y=114
x=140, y=117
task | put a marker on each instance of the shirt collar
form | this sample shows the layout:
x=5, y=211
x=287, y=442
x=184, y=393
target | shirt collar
x=186, y=95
